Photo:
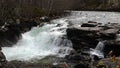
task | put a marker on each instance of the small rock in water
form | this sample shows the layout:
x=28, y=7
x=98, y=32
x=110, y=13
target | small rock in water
x=89, y=25
x=91, y=22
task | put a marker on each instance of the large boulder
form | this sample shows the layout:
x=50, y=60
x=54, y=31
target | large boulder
x=11, y=33
x=10, y=36
x=89, y=36
x=86, y=36
x=89, y=25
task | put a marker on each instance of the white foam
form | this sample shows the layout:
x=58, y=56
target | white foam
x=38, y=43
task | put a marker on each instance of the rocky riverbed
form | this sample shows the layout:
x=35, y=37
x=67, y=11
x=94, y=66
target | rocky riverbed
x=87, y=36
x=92, y=42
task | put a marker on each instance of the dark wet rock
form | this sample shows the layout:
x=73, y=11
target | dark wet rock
x=87, y=36
x=75, y=58
x=79, y=58
x=9, y=37
x=26, y=25
x=96, y=58
x=83, y=36
x=13, y=32
x=112, y=25
x=89, y=25
x=109, y=34
x=72, y=52
x=112, y=42
x=82, y=32
x=81, y=65
x=3, y=61
x=112, y=45
x=1, y=24
x=92, y=22
x=114, y=48
x=58, y=25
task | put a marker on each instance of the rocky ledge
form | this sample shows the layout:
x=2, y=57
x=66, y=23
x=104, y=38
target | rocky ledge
x=87, y=36
x=11, y=33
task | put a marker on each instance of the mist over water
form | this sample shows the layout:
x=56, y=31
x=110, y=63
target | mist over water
x=49, y=39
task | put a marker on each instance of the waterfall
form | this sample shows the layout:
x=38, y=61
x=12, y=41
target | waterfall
x=98, y=51
x=41, y=42
x=49, y=39
x=100, y=46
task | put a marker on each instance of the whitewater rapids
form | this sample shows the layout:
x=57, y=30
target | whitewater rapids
x=49, y=39
x=39, y=43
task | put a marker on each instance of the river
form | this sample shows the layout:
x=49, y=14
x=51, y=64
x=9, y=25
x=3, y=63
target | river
x=50, y=39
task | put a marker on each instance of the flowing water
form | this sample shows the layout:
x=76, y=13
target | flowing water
x=49, y=39
x=98, y=51
x=40, y=42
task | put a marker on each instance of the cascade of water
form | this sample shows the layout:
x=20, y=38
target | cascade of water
x=98, y=51
x=100, y=46
x=40, y=42
x=47, y=40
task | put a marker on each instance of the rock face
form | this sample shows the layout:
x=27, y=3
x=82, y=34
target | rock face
x=87, y=36
x=90, y=36
x=10, y=36
x=3, y=60
x=11, y=33
x=79, y=36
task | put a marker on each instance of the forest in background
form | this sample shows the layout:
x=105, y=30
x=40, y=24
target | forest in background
x=38, y=8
